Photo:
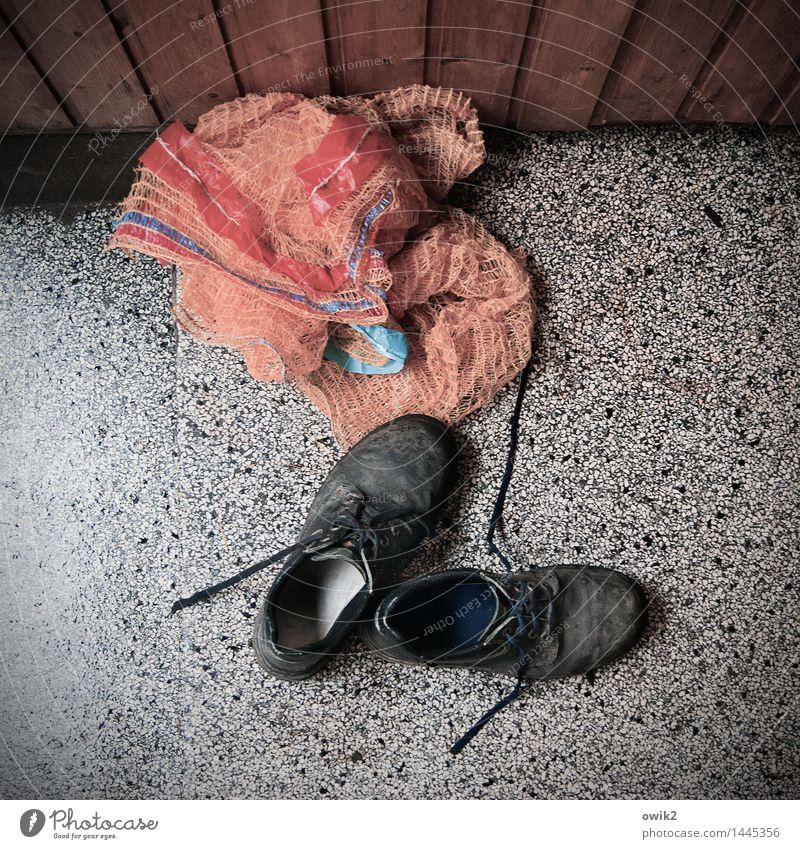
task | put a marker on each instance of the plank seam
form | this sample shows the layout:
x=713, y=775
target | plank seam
x=703, y=75
x=624, y=44
x=60, y=101
x=135, y=67
x=223, y=31
x=527, y=56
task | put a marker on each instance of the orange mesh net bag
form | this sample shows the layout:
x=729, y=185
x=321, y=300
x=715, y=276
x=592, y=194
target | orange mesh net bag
x=310, y=237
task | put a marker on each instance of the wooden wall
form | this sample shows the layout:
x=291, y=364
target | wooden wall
x=552, y=64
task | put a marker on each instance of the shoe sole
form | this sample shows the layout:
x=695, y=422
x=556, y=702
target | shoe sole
x=264, y=662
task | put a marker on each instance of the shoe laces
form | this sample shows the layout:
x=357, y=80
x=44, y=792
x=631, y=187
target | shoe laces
x=530, y=614
x=530, y=611
x=523, y=617
x=351, y=528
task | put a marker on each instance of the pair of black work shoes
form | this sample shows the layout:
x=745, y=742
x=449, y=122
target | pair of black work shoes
x=369, y=519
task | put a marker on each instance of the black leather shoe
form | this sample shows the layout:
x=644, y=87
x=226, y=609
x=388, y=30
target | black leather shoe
x=368, y=520
x=547, y=623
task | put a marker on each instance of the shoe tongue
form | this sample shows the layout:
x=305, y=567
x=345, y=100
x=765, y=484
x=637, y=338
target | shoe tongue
x=338, y=552
x=503, y=607
x=495, y=599
x=490, y=601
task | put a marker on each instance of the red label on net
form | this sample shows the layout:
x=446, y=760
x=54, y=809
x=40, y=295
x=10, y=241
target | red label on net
x=350, y=151
x=179, y=159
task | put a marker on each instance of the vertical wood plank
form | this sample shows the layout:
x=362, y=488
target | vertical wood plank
x=25, y=101
x=77, y=49
x=566, y=60
x=278, y=46
x=475, y=46
x=665, y=47
x=180, y=53
x=374, y=46
x=785, y=107
x=538, y=64
x=744, y=73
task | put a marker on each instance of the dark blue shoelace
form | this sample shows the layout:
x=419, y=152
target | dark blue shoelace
x=521, y=607
x=205, y=594
x=351, y=526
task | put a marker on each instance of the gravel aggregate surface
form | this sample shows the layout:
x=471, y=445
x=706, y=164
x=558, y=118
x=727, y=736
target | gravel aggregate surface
x=659, y=437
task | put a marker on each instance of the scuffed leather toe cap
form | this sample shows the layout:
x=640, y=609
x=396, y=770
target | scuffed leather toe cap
x=602, y=614
x=412, y=455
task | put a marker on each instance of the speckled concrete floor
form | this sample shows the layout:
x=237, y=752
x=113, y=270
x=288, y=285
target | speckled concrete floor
x=660, y=436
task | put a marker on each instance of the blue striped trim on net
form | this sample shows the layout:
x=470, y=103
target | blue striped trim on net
x=369, y=219
x=154, y=224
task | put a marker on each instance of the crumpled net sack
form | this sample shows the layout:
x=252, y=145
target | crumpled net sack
x=301, y=223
